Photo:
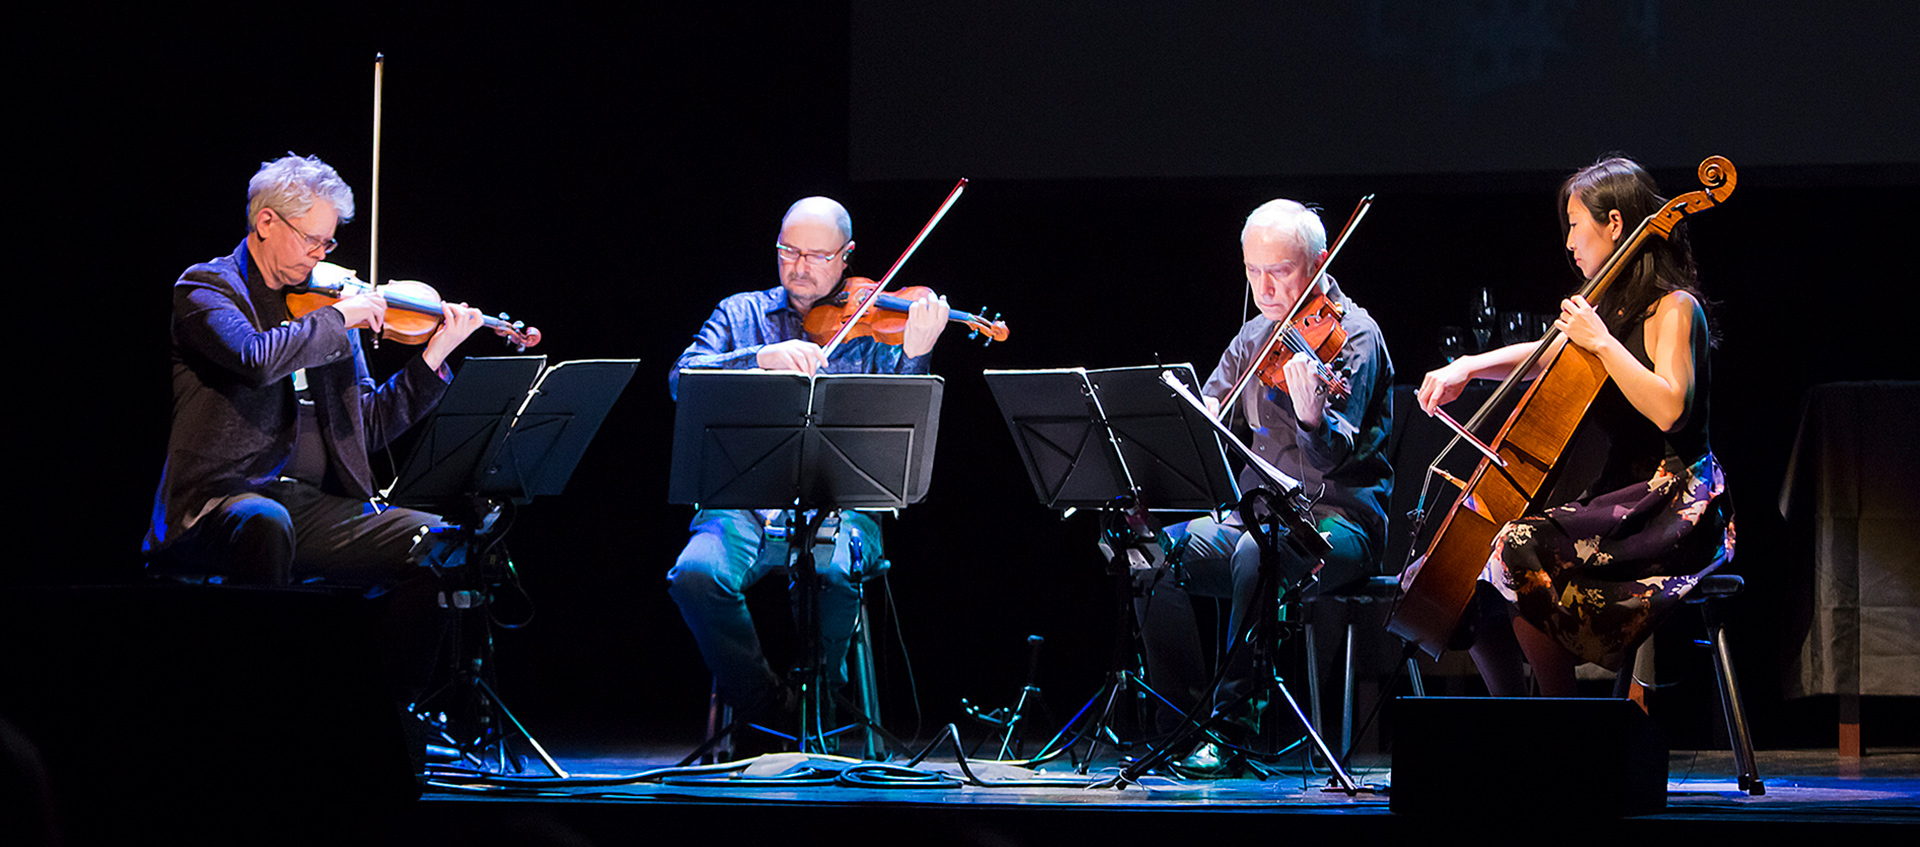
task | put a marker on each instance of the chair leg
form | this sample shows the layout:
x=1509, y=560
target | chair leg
x=1623, y=684
x=719, y=717
x=1313, y=678
x=1346, y=697
x=1740, y=737
x=869, y=692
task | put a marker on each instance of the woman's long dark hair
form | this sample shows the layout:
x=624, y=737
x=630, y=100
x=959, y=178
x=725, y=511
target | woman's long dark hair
x=1663, y=264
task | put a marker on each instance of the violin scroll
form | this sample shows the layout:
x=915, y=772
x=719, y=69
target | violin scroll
x=515, y=332
x=981, y=323
x=886, y=321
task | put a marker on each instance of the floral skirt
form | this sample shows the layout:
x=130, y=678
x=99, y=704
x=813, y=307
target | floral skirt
x=1597, y=574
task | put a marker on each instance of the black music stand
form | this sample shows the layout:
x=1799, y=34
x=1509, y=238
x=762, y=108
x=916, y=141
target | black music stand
x=1087, y=437
x=750, y=439
x=1273, y=514
x=508, y=429
x=1119, y=441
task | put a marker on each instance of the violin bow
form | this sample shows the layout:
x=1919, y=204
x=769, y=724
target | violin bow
x=373, y=217
x=1253, y=364
x=874, y=296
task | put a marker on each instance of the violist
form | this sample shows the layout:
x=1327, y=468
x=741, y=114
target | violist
x=1334, y=445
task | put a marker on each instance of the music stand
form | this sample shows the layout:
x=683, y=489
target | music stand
x=750, y=439
x=1119, y=441
x=507, y=428
x=510, y=427
x=1284, y=521
x=1087, y=437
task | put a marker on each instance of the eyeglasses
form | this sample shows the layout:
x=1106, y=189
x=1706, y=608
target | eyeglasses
x=313, y=241
x=790, y=253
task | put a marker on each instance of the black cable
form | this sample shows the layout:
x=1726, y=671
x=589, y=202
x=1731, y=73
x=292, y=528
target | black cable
x=879, y=775
x=900, y=635
x=952, y=736
x=510, y=513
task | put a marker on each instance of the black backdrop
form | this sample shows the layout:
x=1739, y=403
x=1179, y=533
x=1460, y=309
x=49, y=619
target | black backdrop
x=609, y=176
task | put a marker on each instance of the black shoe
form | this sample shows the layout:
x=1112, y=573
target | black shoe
x=1207, y=761
x=1241, y=725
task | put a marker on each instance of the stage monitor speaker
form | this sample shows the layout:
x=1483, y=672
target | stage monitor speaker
x=202, y=700
x=1526, y=756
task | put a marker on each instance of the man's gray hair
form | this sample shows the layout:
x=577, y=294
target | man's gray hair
x=290, y=184
x=823, y=208
x=1289, y=218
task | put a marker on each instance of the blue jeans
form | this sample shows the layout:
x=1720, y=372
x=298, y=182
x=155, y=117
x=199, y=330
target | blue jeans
x=729, y=552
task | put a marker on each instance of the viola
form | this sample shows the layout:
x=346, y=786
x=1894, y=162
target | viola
x=414, y=309
x=1316, y=331
x=1312, y=326
x=886, y=320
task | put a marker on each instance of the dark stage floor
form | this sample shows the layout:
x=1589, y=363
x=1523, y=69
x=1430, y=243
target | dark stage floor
x=1803, y=788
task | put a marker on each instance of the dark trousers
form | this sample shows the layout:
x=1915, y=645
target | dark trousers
x=292, y=532
x=1224, y=561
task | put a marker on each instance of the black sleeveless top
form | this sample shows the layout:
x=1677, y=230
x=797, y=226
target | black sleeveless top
x=1616, y=446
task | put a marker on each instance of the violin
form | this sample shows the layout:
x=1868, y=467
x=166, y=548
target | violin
x=414, y=309
x=886, y=321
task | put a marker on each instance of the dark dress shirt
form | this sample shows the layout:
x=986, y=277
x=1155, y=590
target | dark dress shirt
x=745, y=322
x=1344, y=464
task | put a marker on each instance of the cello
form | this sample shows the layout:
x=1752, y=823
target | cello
x=1522, y=456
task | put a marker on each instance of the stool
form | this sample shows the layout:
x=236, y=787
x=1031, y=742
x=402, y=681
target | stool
x=1378, y=589
x=860, y=667
x=1711, y=595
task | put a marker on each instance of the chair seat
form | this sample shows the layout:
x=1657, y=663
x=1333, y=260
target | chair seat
x=1716, y=586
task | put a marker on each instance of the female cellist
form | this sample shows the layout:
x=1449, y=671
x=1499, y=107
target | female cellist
x=1582, y=581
